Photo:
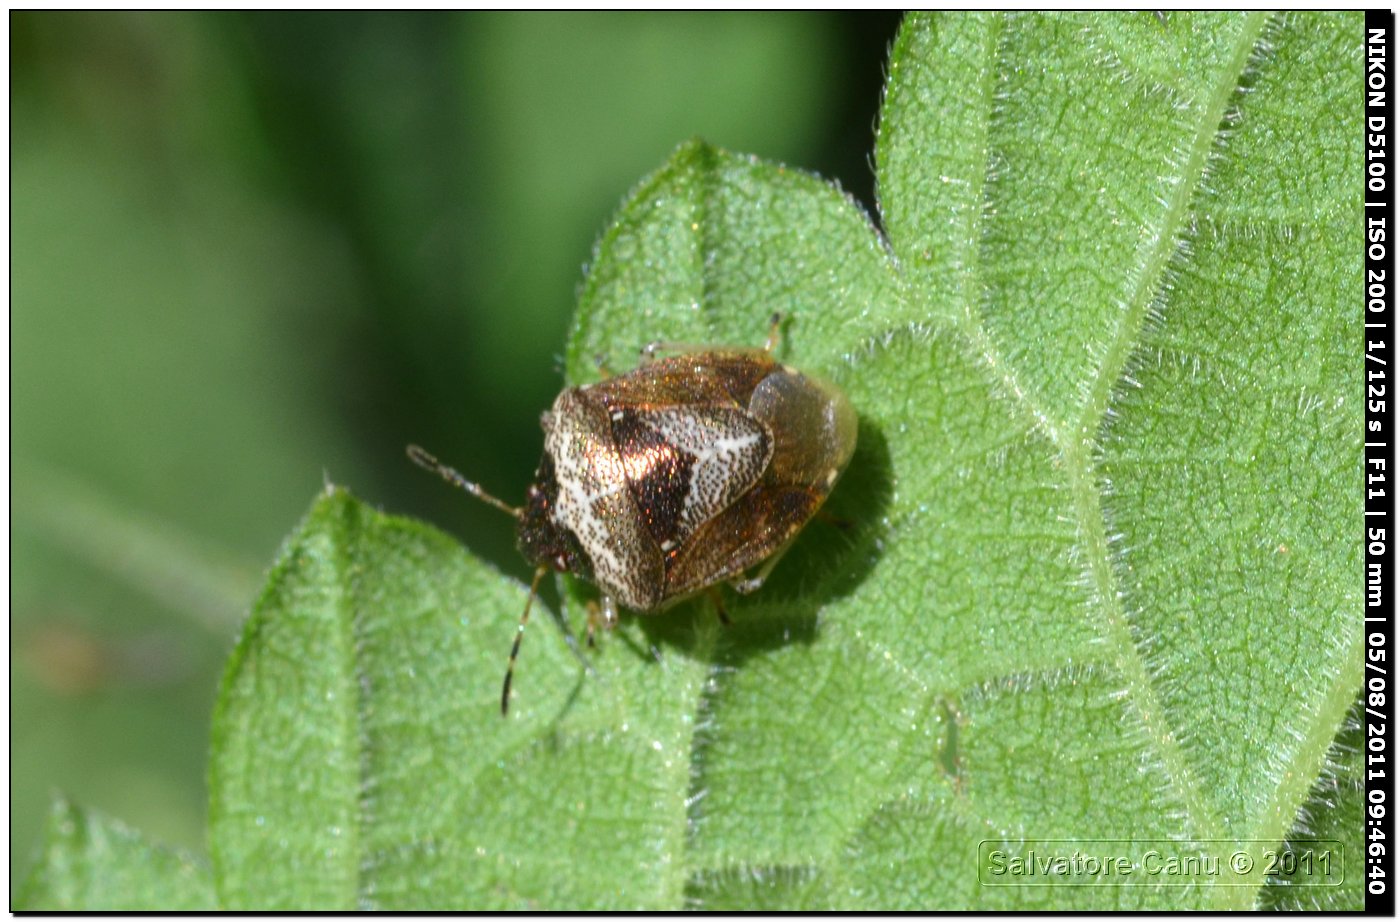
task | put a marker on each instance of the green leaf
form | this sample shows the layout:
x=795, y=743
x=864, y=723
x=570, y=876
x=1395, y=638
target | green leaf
x=1333, y=811
x=360, y=758
x=92, y=863
x=1092, y=588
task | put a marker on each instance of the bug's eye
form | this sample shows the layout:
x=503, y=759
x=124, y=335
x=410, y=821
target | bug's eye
x=546, y=421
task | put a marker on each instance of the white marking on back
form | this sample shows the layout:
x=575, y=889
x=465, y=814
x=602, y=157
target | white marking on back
x=595, y=504
x=730, y=448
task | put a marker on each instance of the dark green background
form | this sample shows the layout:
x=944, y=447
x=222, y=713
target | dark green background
x=255, y=252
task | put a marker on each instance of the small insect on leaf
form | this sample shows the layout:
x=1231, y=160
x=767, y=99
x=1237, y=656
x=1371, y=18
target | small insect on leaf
x=691, y=470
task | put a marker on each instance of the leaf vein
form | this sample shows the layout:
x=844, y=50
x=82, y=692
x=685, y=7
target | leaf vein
x=1103, y=582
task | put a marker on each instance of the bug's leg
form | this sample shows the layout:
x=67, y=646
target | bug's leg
x=601, y=614
x=519, y=633
x=594, y=615
x=775, y=332
x=755, y=582
x=420, y=457
x=563, y=618
x=752, y=584
x=717, y=598
x=652, y=349
x=832, y=518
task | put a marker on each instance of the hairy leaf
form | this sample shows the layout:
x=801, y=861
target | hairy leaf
x=93, y=863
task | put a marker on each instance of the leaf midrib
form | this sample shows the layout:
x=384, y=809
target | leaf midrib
x=1076, y=443
x=1165, y=241
x=1073, y=441
x=353, y=726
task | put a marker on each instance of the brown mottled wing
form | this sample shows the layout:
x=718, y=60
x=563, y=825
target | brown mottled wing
x=739, y=537
x=719, y=378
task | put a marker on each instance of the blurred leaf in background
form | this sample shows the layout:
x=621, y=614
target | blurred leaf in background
x=251, y=251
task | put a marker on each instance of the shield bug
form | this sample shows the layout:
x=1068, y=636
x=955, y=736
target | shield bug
x=693, y=469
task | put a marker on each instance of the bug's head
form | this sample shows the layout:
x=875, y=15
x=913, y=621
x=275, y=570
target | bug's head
x=542, y=540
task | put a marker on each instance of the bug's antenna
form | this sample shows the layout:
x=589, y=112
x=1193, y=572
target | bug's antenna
x=426, y=461
x=519, y=633
x=775, y=331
